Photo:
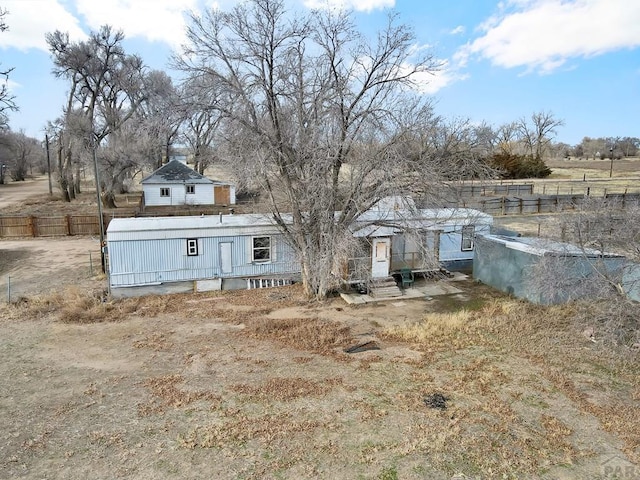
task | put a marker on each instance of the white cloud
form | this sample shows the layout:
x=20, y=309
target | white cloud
x=458, y=30
x=29, y=20
x=431, y=83
x=358, y=5
x=153, y=20
x=542, y=35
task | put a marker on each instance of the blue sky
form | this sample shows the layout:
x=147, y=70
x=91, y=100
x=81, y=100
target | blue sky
x=579, y=59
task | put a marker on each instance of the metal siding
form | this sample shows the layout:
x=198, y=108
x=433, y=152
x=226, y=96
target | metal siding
x=451, y=242
x=138, y=262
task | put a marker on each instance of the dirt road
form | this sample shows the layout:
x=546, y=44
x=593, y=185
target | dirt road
x=17, y=192
x=30, y=266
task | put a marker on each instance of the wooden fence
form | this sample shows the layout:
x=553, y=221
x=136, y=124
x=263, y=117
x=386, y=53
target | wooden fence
x=51, y=225
x=65, y=225
x=540, y=204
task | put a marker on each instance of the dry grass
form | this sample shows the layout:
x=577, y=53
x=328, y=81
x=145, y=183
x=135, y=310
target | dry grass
x=312, y=334
x=237, y=428
x=286, y=389
x=167, y=394
x=277, y=398
x=549, y=337
x=80, y=305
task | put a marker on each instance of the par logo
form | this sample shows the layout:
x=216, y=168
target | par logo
x=618, y=467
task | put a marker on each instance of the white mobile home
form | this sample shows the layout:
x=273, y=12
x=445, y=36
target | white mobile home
x=179, y=254
x=176, y=184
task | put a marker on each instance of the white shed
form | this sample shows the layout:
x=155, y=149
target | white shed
x=176, y=184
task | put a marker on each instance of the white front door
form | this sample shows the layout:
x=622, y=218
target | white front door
x=226, y=265
x=380, y=257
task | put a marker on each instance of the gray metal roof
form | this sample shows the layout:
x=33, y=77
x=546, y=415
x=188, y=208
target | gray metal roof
x=175, y=172
x=544, y=246
x=190, y=226
x=372, y=223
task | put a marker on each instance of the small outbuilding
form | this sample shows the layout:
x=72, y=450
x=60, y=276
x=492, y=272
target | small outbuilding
x=177, y=184
x=544, y=271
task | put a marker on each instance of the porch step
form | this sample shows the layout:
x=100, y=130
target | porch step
x=384, y=288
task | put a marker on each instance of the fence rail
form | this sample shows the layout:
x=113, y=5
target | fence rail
x=67, y=225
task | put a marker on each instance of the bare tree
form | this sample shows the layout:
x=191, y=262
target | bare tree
x=317, y=116
x=538, y=135
x=202, y=120
x=106, y=87
x=597, y=231
x=506, y=138
x=18, y=155
x=7, y=100
x=159, y=117
x=597, y=228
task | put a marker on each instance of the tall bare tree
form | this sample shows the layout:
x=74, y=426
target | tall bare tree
x=19, y=154
x=7, y=100
x=202, y=119
x=537, y=135
x=106, y=86
x=159, y=117
x=316, y=115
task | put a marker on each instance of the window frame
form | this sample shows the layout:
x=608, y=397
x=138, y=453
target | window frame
x=190, y=189
x=467, y=237
x=266, y=249
x=192, y=247
x=165, y=192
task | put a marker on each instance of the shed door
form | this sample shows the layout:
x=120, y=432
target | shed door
x=226, y=266
x=221, y=194
x=380, y=257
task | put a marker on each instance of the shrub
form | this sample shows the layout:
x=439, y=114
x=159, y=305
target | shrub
x=514, y=166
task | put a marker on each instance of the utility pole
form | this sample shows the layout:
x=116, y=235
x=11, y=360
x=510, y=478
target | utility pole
x=94, y=147
x=611, y=166
x=46, y=142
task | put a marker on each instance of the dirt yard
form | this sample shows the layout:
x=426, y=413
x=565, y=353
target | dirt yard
x=257, y=385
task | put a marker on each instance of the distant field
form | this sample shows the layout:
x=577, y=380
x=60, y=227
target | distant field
x=576, y=169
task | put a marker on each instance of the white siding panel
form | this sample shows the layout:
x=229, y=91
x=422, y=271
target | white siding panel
x=203, y=195
x=178, y=194
x=152, y=196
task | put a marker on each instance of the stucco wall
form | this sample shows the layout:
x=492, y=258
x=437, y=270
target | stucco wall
x=513, y=271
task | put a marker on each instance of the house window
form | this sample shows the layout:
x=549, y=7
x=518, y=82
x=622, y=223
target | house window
x=468, y=233
x=261, y=251
x=191, y=189
x=165, y=192
x=192, y=247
